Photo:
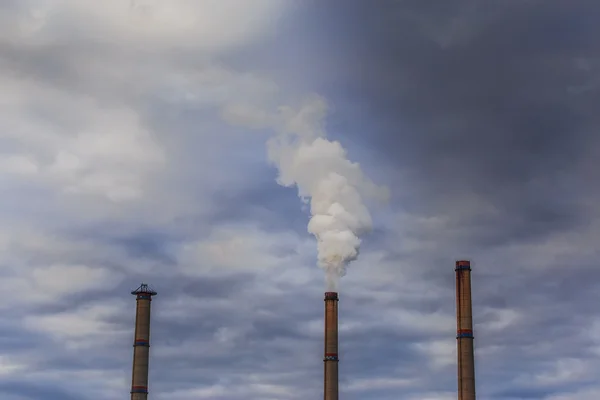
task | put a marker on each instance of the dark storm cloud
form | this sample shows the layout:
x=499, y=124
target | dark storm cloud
x=486, y=112
x=471, y=99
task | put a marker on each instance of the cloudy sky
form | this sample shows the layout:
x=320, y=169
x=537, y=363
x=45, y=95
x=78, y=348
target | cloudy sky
x=133, y=148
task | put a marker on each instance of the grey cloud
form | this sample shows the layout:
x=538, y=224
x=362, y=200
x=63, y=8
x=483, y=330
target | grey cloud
x=275, y=208
x=32, y=391
x=469, y=107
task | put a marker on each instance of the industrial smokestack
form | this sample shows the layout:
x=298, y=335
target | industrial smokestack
x=141, y=343
x=331, y=347
x=464, y=331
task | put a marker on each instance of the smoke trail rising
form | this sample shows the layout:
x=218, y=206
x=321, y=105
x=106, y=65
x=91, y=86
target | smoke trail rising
x=332, y=185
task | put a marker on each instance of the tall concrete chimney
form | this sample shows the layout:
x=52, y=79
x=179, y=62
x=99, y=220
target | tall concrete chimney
x=331, y=347
x=141, y=343
x=464, y=331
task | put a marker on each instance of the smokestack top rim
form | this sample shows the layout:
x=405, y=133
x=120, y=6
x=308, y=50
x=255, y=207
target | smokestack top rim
x=331, y=296
x=144, y=289
x=463, y=265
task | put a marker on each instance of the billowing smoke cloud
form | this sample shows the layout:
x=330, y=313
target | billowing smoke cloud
x=333, y=186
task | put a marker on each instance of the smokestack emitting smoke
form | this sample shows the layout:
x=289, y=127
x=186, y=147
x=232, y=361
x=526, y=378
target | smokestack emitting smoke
x=327, y=180
x=332, y=185
x=141, y=343
x=330, y=360
x=464, y=332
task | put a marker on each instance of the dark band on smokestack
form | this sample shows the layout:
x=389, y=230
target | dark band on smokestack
x=141, y=343
x=464, y=331
x=330, y=358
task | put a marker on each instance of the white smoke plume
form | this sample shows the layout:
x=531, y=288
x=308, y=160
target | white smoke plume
x=332, y=185
x=327, y=181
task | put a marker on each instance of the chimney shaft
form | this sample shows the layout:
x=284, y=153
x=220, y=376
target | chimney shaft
x=141, y=343
x=464, y=332
x=330, y=359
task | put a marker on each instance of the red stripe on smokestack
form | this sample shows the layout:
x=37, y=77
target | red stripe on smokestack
x=464, y=331
x=141, y=343
x=331, y=347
